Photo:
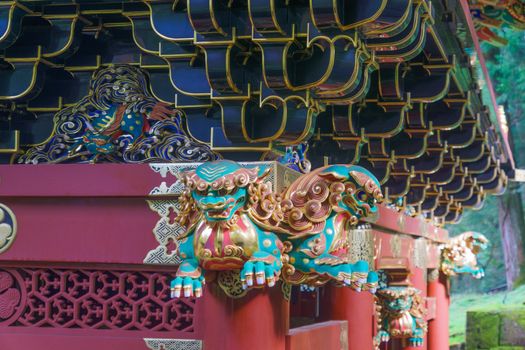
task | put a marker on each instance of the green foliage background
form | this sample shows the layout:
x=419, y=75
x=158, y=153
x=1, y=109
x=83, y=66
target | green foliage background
x=484, y=221
x=506, y=67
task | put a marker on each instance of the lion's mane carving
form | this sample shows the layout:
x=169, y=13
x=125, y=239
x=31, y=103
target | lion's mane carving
x=235, y=221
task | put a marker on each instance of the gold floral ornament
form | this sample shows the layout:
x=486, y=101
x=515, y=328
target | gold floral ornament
x=7, y=228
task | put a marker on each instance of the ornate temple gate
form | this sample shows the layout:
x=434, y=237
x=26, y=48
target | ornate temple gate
x=391, y=86
x=73, y=273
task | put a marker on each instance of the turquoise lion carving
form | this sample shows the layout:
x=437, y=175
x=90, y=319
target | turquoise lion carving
x=401, y=314
x=460, y=254
x=234, y=220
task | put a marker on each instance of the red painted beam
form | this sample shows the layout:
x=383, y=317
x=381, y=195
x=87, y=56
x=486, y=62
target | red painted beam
x=80, y=212
x=99, y=214
x=78, y=180
x=87, y=230
x=393, y=220
x=331, y=335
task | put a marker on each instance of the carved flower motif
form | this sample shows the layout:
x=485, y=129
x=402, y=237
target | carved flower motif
x=6, y=229
x=9, y=296
x=5, y=232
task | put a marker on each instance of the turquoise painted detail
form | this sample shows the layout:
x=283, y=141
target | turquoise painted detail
x=234, y=221
x=460, y=254
x=402, y=315
x=294, y=157
x=119, y=121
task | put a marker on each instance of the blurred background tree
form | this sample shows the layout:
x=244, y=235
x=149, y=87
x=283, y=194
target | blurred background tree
x=502, y=219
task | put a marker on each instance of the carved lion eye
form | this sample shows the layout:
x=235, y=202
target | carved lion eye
x=362, y=196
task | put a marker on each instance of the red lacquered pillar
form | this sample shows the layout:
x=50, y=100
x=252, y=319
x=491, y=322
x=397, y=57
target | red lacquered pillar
x=438, y=327
x=357, y=308
x=419, y=281
x=257, y=321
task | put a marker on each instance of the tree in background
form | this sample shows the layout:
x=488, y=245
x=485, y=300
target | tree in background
x=507, y=69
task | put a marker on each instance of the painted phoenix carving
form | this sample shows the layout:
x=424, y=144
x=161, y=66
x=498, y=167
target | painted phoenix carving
x=235, y=221
x=459, y=255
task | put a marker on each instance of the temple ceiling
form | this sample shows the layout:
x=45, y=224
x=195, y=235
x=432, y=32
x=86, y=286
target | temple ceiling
x=388, y=85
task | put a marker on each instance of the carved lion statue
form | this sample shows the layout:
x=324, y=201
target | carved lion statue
x=401, y=314
x=459, y=255
x=234, y=220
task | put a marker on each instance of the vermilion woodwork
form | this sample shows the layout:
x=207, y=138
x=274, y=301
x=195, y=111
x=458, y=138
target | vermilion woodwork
x=355, y=308
x=332, y=335
x=257, y=321
x=92, y=299
x=63, y=223
x=438, y=332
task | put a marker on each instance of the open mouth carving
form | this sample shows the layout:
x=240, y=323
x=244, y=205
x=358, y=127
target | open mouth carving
x=220, y=213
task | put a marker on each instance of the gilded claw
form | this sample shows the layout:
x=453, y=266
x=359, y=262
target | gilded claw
x=187, y=286
x=270, y=281
x=257, y=273
x=249, y=279
x=176, y=287
x=175, y=293
x=260, y=278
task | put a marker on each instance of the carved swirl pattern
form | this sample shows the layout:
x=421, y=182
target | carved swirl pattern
x=286, y=288
x=230, y=283
x=310, y=201
x=240, y=178
x=92, y=299
x=92, y=120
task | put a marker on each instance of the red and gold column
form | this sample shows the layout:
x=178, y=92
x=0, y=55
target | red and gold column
x=438, y=333
x=357, y=308
x=257, y=321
